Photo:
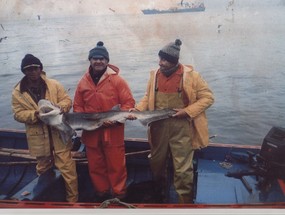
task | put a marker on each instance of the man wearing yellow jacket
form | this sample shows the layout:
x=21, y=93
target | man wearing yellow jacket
x=176, y=86
x=44, y=142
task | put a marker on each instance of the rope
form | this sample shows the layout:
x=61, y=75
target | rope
x=14, y=163
x=136, y=153
x=106, y=203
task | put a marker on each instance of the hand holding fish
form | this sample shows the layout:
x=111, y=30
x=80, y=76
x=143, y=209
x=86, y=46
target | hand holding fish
x=132, y=116
x=37, y=114
x=109, y=123
x=180, y=113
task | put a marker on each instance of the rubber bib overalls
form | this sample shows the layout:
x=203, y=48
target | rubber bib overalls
x=173, y=137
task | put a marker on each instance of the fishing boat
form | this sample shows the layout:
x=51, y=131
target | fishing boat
x=226, y=176
x=182, y=7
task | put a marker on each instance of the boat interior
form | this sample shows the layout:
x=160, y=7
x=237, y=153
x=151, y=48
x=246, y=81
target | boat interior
x=226, y=175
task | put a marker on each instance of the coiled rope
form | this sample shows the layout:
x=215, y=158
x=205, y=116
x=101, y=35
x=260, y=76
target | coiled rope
x=117, y=201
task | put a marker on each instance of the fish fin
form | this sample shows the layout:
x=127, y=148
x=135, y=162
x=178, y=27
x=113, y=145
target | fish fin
x=116, y=108
x=123, y=120
x=67, y=136
x=145, y=122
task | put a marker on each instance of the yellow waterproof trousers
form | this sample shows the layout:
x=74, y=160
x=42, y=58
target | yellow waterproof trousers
x=172, y=137
x=67, y=167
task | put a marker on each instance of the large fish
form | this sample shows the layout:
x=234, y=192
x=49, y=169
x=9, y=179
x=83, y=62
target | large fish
x=67, y=123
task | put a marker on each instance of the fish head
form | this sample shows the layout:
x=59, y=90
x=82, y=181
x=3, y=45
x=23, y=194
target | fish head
x=45, y=106
x=49, y=113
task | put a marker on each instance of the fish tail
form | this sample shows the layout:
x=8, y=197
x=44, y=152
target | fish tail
x=144, y=122
x=67, y=136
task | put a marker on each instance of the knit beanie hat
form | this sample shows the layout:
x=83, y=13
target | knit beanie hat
x=171, y=51
x=99, y=51
x=30, y=61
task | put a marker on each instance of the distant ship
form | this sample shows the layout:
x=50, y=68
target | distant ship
x=182, y=7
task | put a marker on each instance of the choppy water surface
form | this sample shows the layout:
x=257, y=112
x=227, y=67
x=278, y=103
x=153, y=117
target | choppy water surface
x=239, y=51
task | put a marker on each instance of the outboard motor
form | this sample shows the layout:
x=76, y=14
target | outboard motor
x=269, y=163
x=272, y=153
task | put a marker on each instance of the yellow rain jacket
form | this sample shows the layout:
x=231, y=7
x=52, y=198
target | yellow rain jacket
x=200, y=98
x=24, y=109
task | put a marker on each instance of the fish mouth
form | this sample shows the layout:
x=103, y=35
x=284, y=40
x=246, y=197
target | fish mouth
x=46, y=109
x=49, y=112
x=46, y=106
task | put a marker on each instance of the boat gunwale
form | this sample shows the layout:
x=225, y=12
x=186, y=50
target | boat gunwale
x=144, y=140
x=38, y=204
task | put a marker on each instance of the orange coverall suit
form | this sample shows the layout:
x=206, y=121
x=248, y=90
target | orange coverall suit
x=105, y=147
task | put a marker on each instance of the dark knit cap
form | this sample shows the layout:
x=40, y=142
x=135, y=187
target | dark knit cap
x=171, y=51
x=99, y=51
x=30, y=61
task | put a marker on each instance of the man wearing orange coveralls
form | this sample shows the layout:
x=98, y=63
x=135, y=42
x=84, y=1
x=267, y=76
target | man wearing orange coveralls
x=180, y=87
x=99, y=90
